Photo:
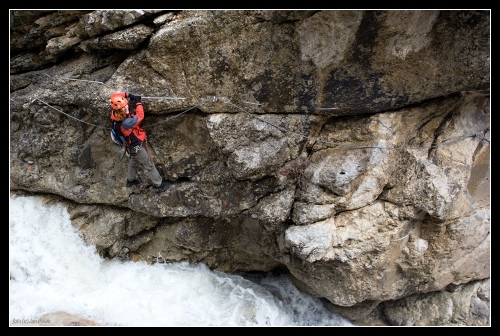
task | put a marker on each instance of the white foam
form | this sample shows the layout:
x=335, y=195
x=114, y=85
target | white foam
x=51, y=269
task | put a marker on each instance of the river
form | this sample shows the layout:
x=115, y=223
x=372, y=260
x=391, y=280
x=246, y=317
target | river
x=52, y=270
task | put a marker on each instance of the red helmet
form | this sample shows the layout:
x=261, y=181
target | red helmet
x=117, y=102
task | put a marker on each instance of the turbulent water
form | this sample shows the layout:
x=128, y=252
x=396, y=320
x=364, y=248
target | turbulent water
x=52, y=270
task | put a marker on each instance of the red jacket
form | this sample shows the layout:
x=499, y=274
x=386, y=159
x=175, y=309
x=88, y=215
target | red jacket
x=130, y=127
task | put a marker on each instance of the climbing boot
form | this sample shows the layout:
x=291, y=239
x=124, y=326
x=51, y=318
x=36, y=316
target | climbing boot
x=133, y=182
x=162, y=187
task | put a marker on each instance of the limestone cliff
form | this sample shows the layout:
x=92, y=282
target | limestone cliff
x=350, y=148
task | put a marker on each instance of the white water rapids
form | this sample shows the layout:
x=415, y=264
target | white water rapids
x=52, y=270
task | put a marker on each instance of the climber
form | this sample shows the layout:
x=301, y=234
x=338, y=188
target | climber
x=128, y=123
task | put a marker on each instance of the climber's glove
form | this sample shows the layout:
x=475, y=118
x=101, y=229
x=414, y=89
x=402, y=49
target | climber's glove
x=135, y=98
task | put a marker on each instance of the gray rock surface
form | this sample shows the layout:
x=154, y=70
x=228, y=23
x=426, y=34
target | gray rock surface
x=350, y=148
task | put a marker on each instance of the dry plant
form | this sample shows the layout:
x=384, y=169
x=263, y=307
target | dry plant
x=297, y=173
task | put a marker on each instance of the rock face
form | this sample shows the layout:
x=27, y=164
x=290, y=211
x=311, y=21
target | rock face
x=348, y=148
